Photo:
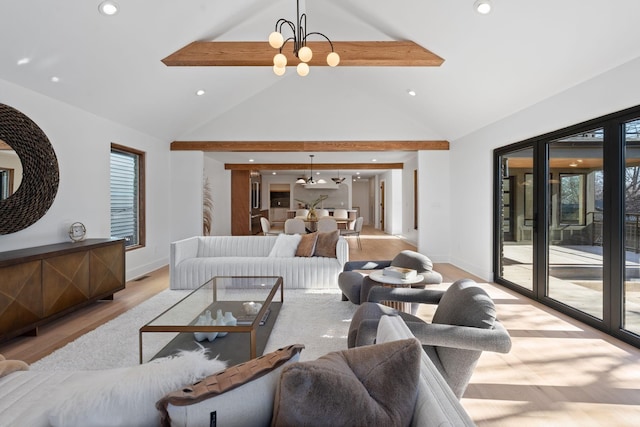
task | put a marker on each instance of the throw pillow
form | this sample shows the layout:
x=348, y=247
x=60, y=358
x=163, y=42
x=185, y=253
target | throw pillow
x=326, y=244
x=127, y=396
x=307, y=245
x=240, y=396
x=285, y=246
x=372, y=385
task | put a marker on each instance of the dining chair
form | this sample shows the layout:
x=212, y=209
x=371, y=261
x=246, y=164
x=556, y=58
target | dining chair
x=357, y=228
x=340, y=213
x=327, y=224
x=294, y=226
x=302, y=213
x=266, y=227
x=321, y=213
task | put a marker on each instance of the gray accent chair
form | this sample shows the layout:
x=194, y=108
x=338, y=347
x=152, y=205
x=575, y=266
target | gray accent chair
x=355, y=285
x=463, y=326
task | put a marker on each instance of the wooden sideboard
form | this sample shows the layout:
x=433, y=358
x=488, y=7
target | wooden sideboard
x=42, y=283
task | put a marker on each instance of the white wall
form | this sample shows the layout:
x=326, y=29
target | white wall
x=408, y=201
x=471, y=156
x=434, y=205
x=360, y=198
x=82, y=143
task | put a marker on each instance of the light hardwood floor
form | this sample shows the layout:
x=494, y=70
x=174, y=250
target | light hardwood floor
x=559, y=371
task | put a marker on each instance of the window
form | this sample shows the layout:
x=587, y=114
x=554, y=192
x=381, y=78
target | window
x=127, y=196
x=572, y=200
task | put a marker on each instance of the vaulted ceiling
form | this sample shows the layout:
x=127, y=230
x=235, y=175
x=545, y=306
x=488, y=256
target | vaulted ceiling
x=494, y=65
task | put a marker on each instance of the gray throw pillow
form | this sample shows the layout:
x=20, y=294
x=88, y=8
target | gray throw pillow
x=372, y=385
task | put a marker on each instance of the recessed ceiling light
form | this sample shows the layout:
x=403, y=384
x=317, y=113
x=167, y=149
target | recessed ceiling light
x=374, y=160
x=108, y=8
x=482, y=6
x=357, y=173
x=251, y=160
x=23, y=61
x=55, y=79
x=200, y=92
x=273, y=173
x=411, y=92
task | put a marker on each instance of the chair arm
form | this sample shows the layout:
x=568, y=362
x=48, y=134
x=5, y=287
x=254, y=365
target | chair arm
x=465, y=337
x=367, y=331
x=424, y=296
x=363, y=265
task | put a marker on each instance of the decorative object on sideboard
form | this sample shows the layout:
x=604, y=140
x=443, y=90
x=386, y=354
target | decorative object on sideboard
x=40, y=178
x=77, y=232
x=300, y=48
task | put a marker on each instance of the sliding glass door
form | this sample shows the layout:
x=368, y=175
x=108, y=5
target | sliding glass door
x=516, y=220
x=574, y=221
x=567, y=222
x=632, y=227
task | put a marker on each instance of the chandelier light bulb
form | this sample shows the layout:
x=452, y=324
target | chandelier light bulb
x=333, y=59
x=303, y=69
x=279, y=71
x=305, y=54
x=276, y=40
x=280, y=60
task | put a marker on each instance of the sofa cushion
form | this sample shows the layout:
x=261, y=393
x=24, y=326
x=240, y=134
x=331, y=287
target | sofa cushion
x=307, y=245
x=326, y=244
x=285, y=246
x=370, y=385
x=126, y=396
x=242, y=395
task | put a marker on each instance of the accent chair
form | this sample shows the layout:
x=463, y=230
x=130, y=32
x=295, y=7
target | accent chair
x=463, y=326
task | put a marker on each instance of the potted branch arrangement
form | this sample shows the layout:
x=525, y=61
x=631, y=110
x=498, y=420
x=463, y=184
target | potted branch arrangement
x=312, y=216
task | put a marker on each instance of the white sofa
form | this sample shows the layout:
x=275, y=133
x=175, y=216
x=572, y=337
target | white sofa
x=27, y=398
x=195, y=260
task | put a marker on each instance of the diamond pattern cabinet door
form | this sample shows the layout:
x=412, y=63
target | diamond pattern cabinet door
x=65, y=281
x=20, y=297
x=107, y=270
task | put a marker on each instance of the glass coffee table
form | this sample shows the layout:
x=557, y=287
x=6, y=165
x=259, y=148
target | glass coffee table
x=234, y=343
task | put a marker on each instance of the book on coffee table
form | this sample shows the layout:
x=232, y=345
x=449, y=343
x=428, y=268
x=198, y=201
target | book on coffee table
x=249, y=318
x=400, y=272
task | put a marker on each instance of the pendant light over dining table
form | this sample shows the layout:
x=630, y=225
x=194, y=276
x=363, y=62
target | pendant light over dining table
x=300, y=48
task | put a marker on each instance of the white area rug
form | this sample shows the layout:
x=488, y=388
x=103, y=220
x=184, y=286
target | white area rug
x=317, y=319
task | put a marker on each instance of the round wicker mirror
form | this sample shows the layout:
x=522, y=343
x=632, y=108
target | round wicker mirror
x=40, y=176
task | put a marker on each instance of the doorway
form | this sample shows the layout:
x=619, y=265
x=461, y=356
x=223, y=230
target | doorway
x=382, y=198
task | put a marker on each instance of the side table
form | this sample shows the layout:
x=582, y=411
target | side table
x=395, y=282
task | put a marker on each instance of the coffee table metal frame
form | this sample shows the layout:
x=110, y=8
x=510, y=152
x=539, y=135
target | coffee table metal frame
x=250, y=329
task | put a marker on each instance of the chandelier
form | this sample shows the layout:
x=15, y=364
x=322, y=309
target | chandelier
x=338, y=180
x=300, y=48
x=310, y=180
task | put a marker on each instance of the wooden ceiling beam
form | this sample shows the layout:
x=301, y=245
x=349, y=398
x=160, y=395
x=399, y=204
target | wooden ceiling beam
x=316, y=166
x=307, y=146
x=403, y=53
